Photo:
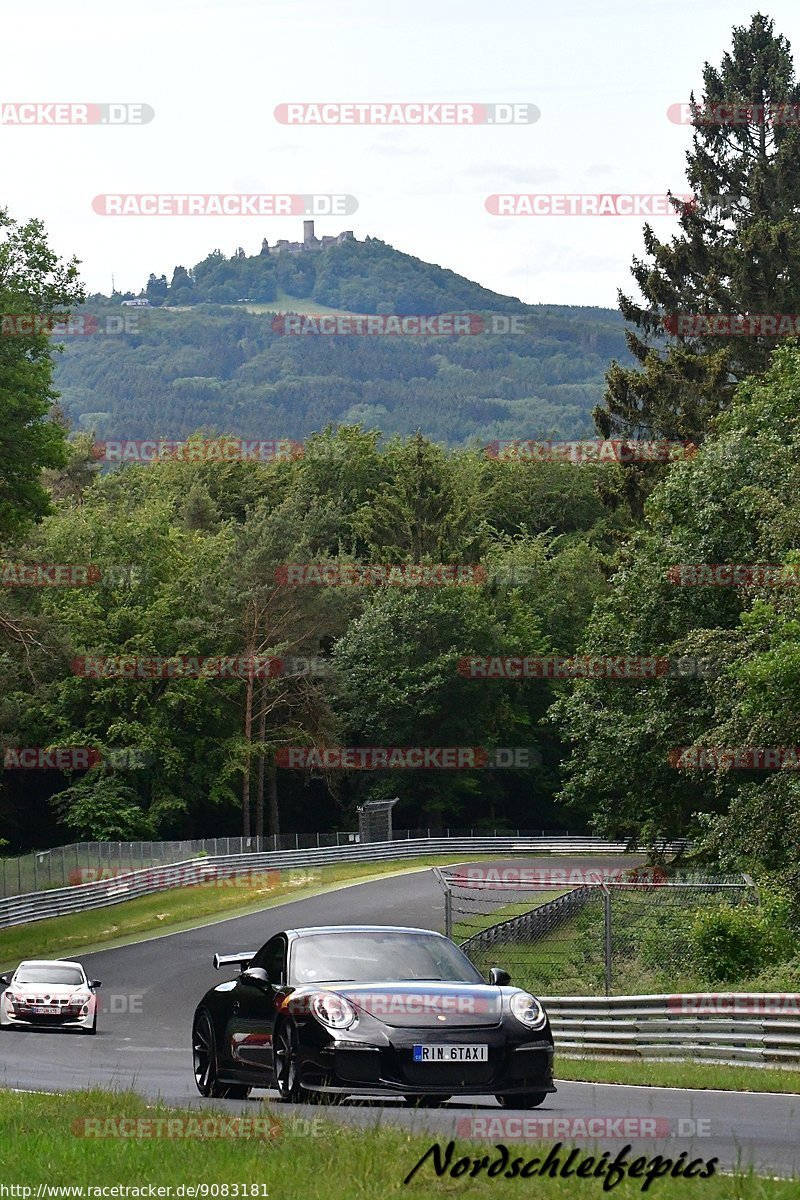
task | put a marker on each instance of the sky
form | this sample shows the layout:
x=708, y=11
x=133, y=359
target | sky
x=214, y=71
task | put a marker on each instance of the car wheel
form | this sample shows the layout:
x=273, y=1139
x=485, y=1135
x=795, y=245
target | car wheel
x=204, y=1056
x=93, y=1027
x=425, y=1101
x=287, y=1072
x=524, y=1100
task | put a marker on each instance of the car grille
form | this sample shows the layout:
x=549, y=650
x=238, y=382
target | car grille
x=448, y=1074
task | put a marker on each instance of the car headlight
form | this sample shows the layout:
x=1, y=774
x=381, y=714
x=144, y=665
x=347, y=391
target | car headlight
x=333, y=1010
x=528, y=1010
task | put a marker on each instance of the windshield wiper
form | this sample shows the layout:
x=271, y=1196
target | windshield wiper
x=328, y=981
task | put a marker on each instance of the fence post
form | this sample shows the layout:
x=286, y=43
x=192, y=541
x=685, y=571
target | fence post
x=448, y=910
x=607, y=923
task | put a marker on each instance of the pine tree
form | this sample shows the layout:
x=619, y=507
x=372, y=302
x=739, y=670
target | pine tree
x=738, y=253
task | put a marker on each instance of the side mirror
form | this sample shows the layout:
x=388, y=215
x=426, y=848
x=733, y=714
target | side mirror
x=499, y=977
x=256, y=975
x=4, y=979
x=95, y=983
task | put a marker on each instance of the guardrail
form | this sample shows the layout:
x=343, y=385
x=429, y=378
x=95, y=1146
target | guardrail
x=533, y=924
x=36, y=906
x=61, y=866
x=730, y=1027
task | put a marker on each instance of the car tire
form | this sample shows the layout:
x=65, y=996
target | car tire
x=287, y=1075
x=524, y=1100
x=425, y=1101
x=206, y=1070
x=93, y=1027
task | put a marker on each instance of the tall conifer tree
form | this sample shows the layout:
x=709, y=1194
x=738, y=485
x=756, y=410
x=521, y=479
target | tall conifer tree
x=738, y=253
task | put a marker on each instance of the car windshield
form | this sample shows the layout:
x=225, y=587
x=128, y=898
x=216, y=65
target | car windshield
x=69, y=976
x=371, y=957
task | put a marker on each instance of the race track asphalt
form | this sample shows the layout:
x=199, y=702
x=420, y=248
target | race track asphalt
x=150, y=990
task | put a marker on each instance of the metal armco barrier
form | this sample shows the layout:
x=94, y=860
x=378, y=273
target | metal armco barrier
x=533, y=924
x=730, y=1027
x=36, y=906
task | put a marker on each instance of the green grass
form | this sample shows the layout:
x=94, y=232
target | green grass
x=56, y=870
x=687, y=1074
x=317, y=1159
x=185, y=908
x=283, y=302
x=476, y=922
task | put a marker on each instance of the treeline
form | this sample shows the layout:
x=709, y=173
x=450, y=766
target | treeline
x=365, y=277
x=230, y=370
x=190, y=558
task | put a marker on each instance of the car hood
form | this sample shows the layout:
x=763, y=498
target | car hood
x=427, y=1005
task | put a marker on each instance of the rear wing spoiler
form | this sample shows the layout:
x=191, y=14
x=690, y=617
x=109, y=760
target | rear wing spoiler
x=241, y=960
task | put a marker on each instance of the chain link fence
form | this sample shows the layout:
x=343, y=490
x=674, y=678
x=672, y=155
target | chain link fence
x=85, y=862
x=588, y=932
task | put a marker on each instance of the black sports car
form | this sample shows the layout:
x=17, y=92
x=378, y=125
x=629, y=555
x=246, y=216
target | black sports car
x=370, y=1010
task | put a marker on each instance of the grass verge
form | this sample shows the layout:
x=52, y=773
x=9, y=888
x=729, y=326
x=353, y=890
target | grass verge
x=188, y=907
x=687, y=1074
x=41, y=1142
x=476, y=922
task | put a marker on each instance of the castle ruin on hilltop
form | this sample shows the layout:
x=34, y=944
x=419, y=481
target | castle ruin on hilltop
x=309, y=242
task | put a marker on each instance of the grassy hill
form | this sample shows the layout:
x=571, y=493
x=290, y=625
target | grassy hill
x=208, y=355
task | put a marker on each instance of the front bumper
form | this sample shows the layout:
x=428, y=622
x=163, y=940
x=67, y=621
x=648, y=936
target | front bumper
x=511, y=1069
x=23, y=1019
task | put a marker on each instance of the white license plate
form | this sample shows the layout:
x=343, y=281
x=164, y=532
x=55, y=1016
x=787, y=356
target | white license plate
x=439, y=1053
x=46, y=1012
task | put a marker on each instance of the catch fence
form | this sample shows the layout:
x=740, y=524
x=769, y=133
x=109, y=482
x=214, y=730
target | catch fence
x=80, y=862
x=585, y=931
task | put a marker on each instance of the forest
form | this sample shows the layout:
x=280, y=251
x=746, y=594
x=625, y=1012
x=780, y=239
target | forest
x=362, y=577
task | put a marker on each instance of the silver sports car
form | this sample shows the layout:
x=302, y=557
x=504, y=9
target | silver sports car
x=49, y=993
